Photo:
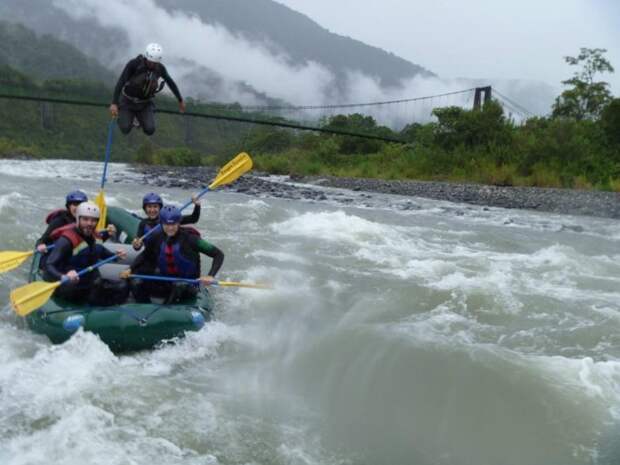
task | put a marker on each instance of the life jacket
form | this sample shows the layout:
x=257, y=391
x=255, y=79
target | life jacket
x=60, y=217
x=83, y=255
x=73, y=235
x=145, y=82
x=179, y=257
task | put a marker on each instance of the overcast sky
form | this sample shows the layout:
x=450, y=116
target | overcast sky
x=479, y=38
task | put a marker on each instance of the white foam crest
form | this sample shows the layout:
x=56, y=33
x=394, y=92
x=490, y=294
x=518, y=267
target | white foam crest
x=64, y=169
x=426, y=269
x=336, y=286
x=382, y=244
x=196, y=345
x=288, y=285
x=274, y=319
x=332, y=226
x=10, y=199
x=56, y=376
x=75, y=438
x=92, y=435
x=497, y=280
x=567, y=225
x=612, y=313
x=592, y=381
x=255, y=204
x=550, y=271
x=439, y=327
x=14, y=343
x=598, y=381
x=279, y=256
x=560, y=262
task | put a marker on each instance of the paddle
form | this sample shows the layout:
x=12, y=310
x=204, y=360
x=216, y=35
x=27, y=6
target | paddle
x=11, y=259
x=100, y=199
x=28, y=298
x=149, y=277
x=230, y=172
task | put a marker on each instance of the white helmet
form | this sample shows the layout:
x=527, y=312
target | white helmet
x=154, y=52
x=88, y=209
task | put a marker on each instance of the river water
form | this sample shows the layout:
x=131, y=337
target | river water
x=443, y=334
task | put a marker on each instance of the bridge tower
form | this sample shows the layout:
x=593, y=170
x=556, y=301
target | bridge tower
x=478, y=96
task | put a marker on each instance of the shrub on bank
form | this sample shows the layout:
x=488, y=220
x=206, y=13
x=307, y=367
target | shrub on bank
x=12, y=149
x=180, y=156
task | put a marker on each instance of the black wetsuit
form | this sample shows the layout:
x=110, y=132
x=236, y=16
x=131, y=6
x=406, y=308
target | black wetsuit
x=134, y=94
x=150, y=262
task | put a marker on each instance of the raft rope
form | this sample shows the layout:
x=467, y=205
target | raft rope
x=128, y=311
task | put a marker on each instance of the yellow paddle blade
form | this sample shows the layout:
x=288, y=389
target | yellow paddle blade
x=100, y=202
x=239, y=165
x=28, y=298
x=11, y=259
x=248, y=285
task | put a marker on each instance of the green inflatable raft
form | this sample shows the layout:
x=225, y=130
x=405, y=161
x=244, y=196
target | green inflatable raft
x=127, y=327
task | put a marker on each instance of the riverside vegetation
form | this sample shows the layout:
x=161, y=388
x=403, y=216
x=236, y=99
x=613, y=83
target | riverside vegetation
x=576, y=146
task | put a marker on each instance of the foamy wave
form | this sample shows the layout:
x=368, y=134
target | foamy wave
x=332, y=226
x=594, y=382
x=196, y=345
x=64, y=169
x=45, y=384
x=279, y=256
x=597, y=381
x=7, y=200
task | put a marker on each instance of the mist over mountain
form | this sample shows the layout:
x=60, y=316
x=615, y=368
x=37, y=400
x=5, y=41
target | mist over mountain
x=255, y=52
x=294, y=42
x=284, y=30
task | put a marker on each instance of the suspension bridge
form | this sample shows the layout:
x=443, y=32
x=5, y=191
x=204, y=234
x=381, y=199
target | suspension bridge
x=393, y=113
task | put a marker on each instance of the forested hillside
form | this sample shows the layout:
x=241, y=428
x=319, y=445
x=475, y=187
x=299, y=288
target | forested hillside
x=44, y=57
x=263, y=22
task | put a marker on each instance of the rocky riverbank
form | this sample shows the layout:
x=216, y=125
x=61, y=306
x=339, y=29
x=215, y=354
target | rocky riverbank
x=320, y=188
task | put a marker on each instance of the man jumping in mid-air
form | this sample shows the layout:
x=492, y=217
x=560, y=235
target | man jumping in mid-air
x=134, y=92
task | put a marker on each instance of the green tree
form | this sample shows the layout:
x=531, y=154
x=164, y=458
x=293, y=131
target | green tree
x=144, y=154
x=610, y=121
x=180, y=156
x=586, y=98
x=469, y=128
x=269, y=139
x=360, y=124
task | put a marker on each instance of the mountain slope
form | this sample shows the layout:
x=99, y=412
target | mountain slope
x=299, y=37
x=44, y=17
x=45, y=57
x=271, y=24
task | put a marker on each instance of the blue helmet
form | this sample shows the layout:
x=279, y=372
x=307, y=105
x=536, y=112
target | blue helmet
x=152, y=198
x=75, y=197
x=170, y=215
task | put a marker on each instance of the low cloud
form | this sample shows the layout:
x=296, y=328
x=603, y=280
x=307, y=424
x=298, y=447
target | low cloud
x=193, y=49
